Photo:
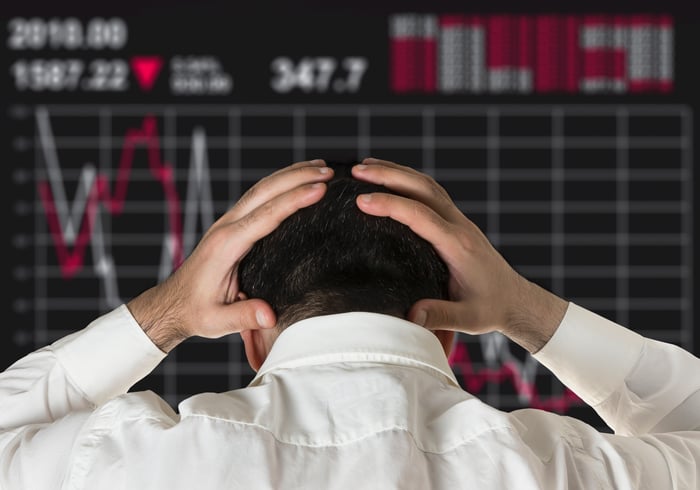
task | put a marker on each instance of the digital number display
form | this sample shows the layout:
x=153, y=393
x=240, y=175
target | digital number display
x=96, y=34
x=318, y=74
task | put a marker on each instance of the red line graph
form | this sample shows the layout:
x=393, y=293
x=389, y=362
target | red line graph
x=71, y=260
x=474, y=382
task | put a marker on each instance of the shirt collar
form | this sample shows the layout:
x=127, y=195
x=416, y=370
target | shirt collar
x=358, y=337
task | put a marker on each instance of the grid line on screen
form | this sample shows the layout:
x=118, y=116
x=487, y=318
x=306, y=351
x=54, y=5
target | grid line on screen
x=577, y=197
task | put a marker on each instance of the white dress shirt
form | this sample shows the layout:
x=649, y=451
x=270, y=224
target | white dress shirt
x=348, y=401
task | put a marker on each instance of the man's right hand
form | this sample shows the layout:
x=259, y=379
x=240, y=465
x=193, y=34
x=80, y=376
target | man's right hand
x=202, y=297
x=486, y=293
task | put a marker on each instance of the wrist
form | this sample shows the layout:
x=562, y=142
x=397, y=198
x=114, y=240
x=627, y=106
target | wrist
x=158, y=320
x=534, y=317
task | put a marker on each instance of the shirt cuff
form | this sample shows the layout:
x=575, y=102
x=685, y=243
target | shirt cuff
x=109, y=356
x=590, y=354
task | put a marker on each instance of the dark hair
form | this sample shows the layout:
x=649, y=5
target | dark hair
x=331, y=258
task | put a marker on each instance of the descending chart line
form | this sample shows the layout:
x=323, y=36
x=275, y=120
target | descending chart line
x=72, y=231
x=77, y=203
x=509, y=370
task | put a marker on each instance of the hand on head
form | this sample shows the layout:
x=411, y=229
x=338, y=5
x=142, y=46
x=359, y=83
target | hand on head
x=202, y=298
x=486, y=293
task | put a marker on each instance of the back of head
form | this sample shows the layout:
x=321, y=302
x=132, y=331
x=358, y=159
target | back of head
x=332, y=258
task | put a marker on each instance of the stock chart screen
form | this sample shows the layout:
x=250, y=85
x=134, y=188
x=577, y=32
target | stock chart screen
x=567, y=137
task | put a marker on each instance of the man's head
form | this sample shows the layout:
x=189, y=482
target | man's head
x=332, y=258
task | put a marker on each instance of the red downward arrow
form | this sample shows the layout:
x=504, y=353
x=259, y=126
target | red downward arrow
x=146, y=70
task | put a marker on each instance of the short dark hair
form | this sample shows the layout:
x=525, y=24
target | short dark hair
x=332, y=258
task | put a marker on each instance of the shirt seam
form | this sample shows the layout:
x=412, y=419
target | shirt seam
x=461, y=442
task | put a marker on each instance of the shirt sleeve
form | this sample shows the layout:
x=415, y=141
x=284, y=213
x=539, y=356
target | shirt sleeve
x=637, y=385
x=647, y=391
x=46, y=396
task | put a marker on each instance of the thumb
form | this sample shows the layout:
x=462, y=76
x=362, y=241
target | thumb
x=435, y=314
x=249, y=314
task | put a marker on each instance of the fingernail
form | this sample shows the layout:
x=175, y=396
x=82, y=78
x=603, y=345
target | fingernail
x=324, y=170
x=261, y=318
x=366, y=197
x=316, y=185
x=318, y=161
x=420, y=318
x=361, y=167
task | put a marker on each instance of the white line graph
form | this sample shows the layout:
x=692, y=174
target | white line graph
x=197, y=173
x=198, y=202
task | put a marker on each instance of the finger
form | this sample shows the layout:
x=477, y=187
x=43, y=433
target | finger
x=415, y=185
x=435, y=314
x=276, y=184
x=281, y=181
x=305, y=163
x=251, y=314
x=423, y=220
x=411, y=170
x=389, y=163
x=268, y=216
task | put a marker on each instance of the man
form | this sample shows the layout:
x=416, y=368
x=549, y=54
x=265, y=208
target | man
x=347, y=399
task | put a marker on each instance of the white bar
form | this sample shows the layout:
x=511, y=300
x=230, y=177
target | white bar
x=603, y=84
x=640, y=65
x=665, y=37
x=428, y=27
x=510, y=79
x=404, y=25
x=451, y=67
x=602, y=36
x=475, y=81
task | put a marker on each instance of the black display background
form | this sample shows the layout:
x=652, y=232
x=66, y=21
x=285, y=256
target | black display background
x=247, y=37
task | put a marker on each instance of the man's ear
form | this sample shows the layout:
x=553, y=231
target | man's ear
x=255, y=349
x=446, y=338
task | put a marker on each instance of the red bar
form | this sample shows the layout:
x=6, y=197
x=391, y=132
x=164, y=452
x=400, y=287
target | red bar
x=497, y=42
x=572, y=53
x=602, y=62
x=525, y=44
x=664, y=86
x=401, y=50
x=429, y=64
x=473, y=21
x=664, y=20
x=646, y=85
x=594, y=20
x=641, y=20
x=649, y=85
x=545, y=53
x=417, y=68
x=451, y=20
x=618, y=68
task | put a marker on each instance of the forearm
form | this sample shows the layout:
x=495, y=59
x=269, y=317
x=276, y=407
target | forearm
x=158, y=319
x=534, y=316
